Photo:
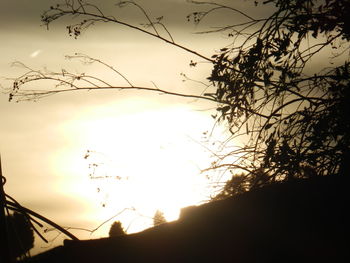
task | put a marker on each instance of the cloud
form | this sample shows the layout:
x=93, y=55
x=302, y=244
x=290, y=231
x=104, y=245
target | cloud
x=35, y=53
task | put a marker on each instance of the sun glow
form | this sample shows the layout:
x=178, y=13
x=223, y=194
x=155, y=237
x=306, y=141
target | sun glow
x=144, y=161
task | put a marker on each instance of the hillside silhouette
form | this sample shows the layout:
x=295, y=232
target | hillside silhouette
x=298, y=221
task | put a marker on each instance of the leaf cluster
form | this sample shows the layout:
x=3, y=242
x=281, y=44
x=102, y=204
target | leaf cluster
x=296, y=117
x=21, y=234
x=158, y=218
x=116, y=229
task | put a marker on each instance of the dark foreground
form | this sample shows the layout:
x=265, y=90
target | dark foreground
x=303, y=221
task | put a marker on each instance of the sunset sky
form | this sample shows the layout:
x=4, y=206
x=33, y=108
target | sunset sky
x=153, y=142
x=156, y=145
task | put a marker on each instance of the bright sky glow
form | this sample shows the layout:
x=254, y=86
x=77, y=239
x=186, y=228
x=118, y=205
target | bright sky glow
x=152, y=142
x=156, y=153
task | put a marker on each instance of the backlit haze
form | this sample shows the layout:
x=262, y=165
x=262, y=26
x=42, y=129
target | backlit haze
x=153, y=144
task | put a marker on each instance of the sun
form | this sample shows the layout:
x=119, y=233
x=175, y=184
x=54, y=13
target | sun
x=145, y=160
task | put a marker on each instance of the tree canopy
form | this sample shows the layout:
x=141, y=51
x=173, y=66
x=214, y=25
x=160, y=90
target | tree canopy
x=294, y=113
x=266, y=82
x=158, y=218
x=116, y=229
x=21, y=235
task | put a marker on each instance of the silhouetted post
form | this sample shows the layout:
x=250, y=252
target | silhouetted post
x=4, y=249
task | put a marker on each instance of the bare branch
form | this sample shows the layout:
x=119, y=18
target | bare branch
x=68, y=9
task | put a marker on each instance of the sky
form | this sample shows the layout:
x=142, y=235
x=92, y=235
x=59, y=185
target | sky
x=149, y=148
x=154, y=144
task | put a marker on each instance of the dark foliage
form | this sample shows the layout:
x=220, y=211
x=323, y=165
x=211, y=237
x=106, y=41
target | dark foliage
x=296, y=116
x=20, y=233
x=235, y=186
x=158, y=218
x=116, y=229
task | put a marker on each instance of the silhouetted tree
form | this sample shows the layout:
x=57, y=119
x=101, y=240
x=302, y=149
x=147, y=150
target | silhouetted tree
x=116, y=229
x=293, y=115
x=158, y=218
x=20, y=233
x=234, y=186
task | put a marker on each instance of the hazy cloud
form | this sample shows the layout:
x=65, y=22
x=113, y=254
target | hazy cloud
x=35, y=53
